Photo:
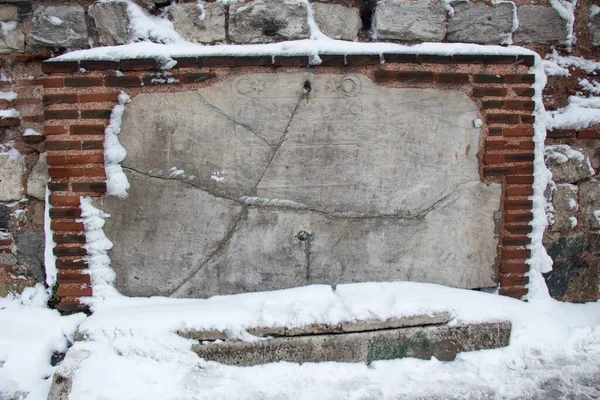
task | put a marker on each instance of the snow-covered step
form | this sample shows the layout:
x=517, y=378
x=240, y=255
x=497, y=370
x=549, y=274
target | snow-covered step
x=441, y=341
x=374, y=324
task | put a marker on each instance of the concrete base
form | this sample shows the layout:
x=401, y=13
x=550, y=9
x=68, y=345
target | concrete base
x=440, y=341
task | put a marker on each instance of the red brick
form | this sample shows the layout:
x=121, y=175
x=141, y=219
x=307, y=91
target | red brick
x=362, y=59
x=6, y=242
x=519, y=131
x=516, y=241
x=519, y=105
x=519, y=78
x=494, y=131
x=94, y=172
x=519, y=191
x=490, y=104
x=527, y=119
x=22, y=101
x=435, y=59
x=6, y=122
x=50, y=67
x=84, y=82
x=55, y=130
x=588, y=134
x=52, y=82
x=516, y=254
x=510, y=119
x=96, y=114
x=400, y=58
x=99, y=97
x=453, y=78
x=60, y=99
x=514, y=268
x=73, y=276
x=87, y=129
x=92, y=145
x=516, y=292
x=66, y=226
x=520, y=179
x=58, y=186
x=57, y=173
x=63, y=145
x=186, y=62
x=139, y=64
x=57, y=200
x=518, y=229
x=89, y=187
x=68, y=291
x=513, y=204
x=524, y=92
x=486, y=78
x=85, y=159
x=280, y=61
x=60, y=238
x=519, y=157
x=56, y=160
x=261, y=60
x=61, y=114
x=495, y=144
x=229, y=61
x=33, y=118
x=69, y=251
x=561, y=133
x=493, y=159
x=72, y=212
x=489, y=92
x=332, y=60
x=513, y=280
x=195, y=78
x=92, y=65
x=70, y=264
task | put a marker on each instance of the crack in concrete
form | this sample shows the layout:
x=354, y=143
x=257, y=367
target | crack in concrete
x=218, y=110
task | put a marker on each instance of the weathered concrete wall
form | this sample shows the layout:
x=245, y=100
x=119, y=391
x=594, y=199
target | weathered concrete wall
x=224, y=179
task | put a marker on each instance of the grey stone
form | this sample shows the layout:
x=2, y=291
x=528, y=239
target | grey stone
x=480, y=23
x=268, y=21
x=423, y=20
x=12, y=176
x=38, y=178
x=380, y=178
x=559, y=246
x=594, y=25
x=12, y=39
x=443, y=342
x=187, y=22
x=315, y=329
x=30, y=252
x=540, y=24
x=59, y=26
x=111, y=21
x=589, y=200
x=8, y=13
x=62, y=380
x=337, y=21
x=5, y=218
x=564, y=202
x=567, y=165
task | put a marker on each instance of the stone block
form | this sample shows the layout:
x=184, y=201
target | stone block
x=59, y=26
x=62, y=379
x=540, y=24
x=30, y=252
x=205, y=24
x=423, y=20
x=38, y=178
x=337, y=21
x=111, y=22
x=263, y=21
x=380, y=178
x=567, y=165
x=480, y=23
x=594, y=25
x=589, y=200
x=12, y=282
x=564, y=201
x=5, y=218
x=558, y=246
x=8, y=13
x=12, y=38
x=442, y=342
x=12, y=176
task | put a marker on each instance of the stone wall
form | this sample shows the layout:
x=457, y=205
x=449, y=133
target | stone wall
x=33, y=31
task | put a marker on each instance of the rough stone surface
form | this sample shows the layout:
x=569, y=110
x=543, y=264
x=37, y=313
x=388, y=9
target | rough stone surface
x=5, y=218
x=38, y=179
x=62, y=380
x=111, y=22
x=337, y=21
x=564, y=201
x=267, y=21
x=540, y=24
x=59, y=26
x=343, y=327
x=589, y=200
x=12, y=40
x=30, y=252
x=594, y=27
x=380, y=178
x=442, y=342
x=567, y=165
x=423, y=20
x=12, y=175
x=480, y=23
x=12, y=282
x=8, y=13
x=187, y=21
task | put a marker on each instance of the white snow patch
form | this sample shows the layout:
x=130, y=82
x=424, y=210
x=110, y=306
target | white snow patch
x=116, y=181
x=30, y=334
x=573, y=61
x=573, y=222
x=8, y=150
x=174, y=172
x=54, y=20
x=200, y=7
x=597, y=215
x=49, y=244
x=594, y=10
x=8, y=96
x=562, y=153
x=590, y=86
x=31, y=132
x=580, y=113
x=507, y=40
x=8, y=26
x=573, y=204
x=11, y=113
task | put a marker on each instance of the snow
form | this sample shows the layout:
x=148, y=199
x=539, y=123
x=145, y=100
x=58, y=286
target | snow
x=565, y=9
x=8, y=96
x=8, y=26
x=29, y=335
x=573, y=61
x=590, y=86
x=200, y=7
x=11, y=113
x=573, y=222
x=31, y=132
x=116, y=181
x=562, y=153
x=49, y=257
x=554, y=346
x=8, y=150
x=55, y=20
x=597, y=215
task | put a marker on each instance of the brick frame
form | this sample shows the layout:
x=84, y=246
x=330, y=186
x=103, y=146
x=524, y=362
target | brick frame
x=79, y=95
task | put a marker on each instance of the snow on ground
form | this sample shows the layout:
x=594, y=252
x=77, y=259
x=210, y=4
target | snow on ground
x=29, y=334
x=555, y=347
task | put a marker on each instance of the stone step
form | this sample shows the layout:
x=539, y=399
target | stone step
x=441, y=341
x=372, y=324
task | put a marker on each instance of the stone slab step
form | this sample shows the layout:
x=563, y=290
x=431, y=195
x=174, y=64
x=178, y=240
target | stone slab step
x=442, y=341
x=435, y=318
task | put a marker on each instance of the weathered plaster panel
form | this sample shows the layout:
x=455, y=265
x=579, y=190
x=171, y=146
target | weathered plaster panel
x=385, y=181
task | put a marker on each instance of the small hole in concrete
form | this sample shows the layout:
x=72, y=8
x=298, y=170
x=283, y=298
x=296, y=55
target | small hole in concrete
x=303, y=236
x=307, y=87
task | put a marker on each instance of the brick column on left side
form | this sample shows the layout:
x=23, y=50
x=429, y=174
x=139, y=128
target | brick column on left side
x=76, y=111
